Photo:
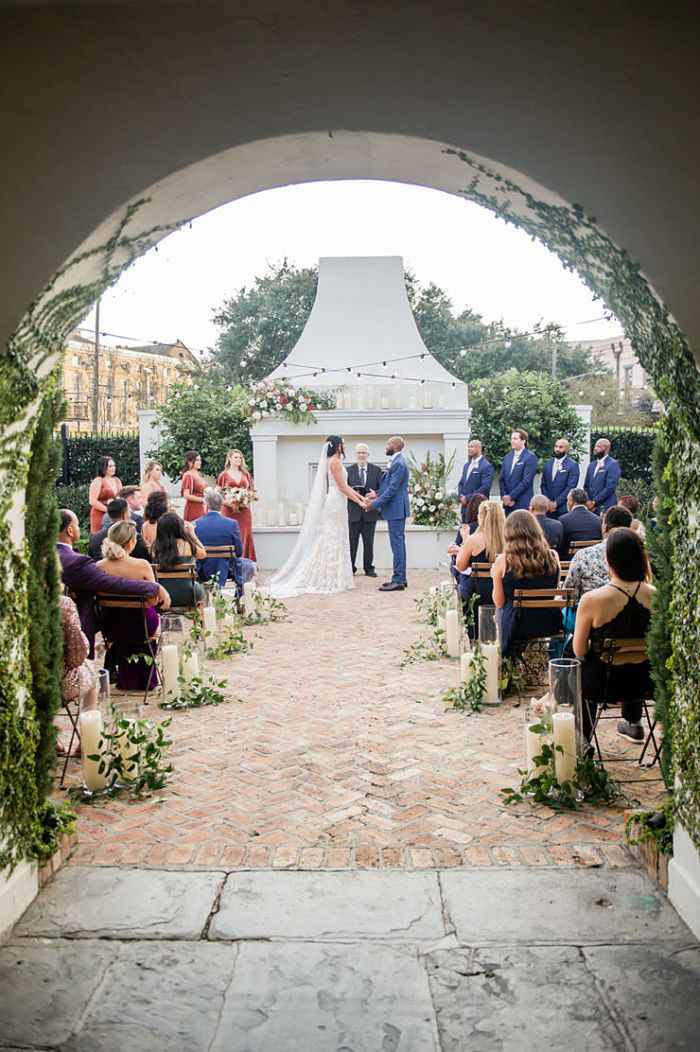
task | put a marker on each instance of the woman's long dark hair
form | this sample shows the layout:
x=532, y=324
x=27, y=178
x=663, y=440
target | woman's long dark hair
x=156, y=505
x=190, y=457
x=626, y=555
x=169, y=531
x=102, y=465
x=473, y=508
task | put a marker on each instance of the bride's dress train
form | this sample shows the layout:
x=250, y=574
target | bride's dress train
x=320, y=563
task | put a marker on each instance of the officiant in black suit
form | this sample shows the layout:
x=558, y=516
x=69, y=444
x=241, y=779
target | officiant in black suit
x=363, y=477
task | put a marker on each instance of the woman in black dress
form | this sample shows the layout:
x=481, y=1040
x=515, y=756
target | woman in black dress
x=619, y=610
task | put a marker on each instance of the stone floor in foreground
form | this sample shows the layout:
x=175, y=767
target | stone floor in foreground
x=332, y=756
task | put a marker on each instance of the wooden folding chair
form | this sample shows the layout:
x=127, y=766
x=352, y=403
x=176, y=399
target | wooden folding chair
x=182, y=572
x=564, y=566
x=557, y=598
x=577, y=546
x=616, y=652
x=118, y=601
x=221, y=551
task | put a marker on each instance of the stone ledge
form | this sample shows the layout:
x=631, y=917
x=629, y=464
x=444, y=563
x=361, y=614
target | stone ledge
x=48, y=871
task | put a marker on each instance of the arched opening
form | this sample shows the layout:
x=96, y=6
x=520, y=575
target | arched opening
x=563, y=227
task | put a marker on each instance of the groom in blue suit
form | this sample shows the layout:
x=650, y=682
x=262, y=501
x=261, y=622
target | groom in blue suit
x=392, y=500
x=559, y=476
x=517, y=473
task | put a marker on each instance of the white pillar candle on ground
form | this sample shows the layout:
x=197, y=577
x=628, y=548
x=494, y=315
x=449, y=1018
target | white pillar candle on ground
x=564, y=728
x=129, y=754
x=171, y=668
x=190, y=667
x=248, y=590
x=446, y=587
x=441, y=623
x=210, y=621
x=90, y=735
x=533, y=748
x=492, y=657
x=465, y=666
x=452, y=633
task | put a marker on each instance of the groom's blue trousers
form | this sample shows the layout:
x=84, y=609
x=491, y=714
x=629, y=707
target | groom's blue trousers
x=397, y=540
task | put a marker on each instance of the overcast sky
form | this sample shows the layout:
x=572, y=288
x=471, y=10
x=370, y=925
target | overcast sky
x=479, y=260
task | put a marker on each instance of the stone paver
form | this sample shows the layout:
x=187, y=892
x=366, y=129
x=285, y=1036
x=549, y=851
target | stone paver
x=339, y=758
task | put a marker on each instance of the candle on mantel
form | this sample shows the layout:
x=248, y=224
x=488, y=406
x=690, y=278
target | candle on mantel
x=171, y=669
x=300, y=513
x=412, y=402
x=293, y=518
x=90, y=735
x=280, y=514
x=129, y=754
x=190, y=666
x=371, y=397
x=533, y=748
x=384, y=402
x=565, y=735
x=452, y=633
x=397, y=396
x=427, y=396
x=210, y=621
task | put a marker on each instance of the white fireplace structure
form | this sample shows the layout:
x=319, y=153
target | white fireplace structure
x=361, y=343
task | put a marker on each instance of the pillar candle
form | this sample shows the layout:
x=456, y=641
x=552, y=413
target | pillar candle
x=427, y=396
x=452, y=633
x=171, y=669
x=465, y=666
x=90, y=735
x=280, y=514
x=128, y=753
x=441, y=622
x=293, y=518
x=564, y=735
x=492, y=655
x=384, y=403
x=371, y=397
x=190, y=667
x=300, y=512
x=533, y=747
x=397, y=396
x=360, y=402
x=446, y=587
x=210, y=621
x=412, y=402
x=248, y=590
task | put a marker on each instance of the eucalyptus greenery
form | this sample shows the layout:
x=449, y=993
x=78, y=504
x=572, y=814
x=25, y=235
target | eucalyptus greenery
x=196, y=693
x=590, y=785
x=145, y=745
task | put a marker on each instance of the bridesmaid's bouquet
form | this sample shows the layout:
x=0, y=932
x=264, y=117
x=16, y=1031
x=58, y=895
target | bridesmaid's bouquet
x=240, y=497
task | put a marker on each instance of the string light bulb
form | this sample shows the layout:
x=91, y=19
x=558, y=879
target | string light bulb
x=463, y=352
x=509, y=344
x=243, y=363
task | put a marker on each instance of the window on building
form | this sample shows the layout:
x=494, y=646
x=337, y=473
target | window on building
x=629, y=375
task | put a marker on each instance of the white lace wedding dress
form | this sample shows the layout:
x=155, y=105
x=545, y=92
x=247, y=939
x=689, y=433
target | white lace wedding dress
x=320, y=563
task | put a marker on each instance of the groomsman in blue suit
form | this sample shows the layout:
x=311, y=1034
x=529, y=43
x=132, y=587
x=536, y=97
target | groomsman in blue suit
x=517, y=473
x=392, y=499
x=602, y=478
x=477, y=476
x=558, y=477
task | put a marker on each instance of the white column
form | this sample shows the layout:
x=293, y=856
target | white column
x=455, y=442
x=265, y=467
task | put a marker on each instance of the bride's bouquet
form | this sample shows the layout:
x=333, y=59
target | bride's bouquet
x=240, y=497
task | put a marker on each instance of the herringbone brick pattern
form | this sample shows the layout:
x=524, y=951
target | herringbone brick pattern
x=336, y=757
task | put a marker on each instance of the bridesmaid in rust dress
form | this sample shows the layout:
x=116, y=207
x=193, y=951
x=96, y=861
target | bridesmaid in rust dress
x=103, y=488
x=236, y=475
x=193, y=486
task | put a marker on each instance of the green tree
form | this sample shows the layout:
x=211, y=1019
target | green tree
x=211, y=417
x=531, y=400
x=261, y=325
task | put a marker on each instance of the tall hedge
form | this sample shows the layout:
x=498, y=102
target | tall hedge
x=83, y=451
x=43, y=587
x=632, y=446
x=659, y=636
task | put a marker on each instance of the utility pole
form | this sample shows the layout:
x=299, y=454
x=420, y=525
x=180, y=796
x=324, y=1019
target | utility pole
x=554, y=360
x=96, y=388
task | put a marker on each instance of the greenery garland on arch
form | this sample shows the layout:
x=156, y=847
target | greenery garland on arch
x=37, y=345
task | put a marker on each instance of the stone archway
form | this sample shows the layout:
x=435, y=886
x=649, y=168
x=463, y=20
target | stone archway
x=35, y=347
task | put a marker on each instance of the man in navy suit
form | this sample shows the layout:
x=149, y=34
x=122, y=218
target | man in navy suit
x=551, y=528
x=84, y=577
x=517, y=473
x=602, y=478
x=477, y=476
x=392, y=500
x=213, y=529
x=559, y=476
x=579, y=523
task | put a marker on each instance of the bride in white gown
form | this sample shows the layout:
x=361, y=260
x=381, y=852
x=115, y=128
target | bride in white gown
x=320, y=562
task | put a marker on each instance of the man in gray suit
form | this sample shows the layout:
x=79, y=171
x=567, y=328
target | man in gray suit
x=363, y=477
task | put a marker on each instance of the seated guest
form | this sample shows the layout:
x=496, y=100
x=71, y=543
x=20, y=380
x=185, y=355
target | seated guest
x=579, y=523
x=126, y=627
x=482, y=546
x=528, y=562
x=132, y=496
x=469, y=514
x=551, y=528
x=620, y=609
x=589, y=567
x=78, y=680
x=156, y=505
x=117, y=511
x=84, y=577
x=214, y=528
x=174, y=549
x=632, y=504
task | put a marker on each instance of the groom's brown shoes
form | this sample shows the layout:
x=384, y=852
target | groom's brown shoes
x=391, y=587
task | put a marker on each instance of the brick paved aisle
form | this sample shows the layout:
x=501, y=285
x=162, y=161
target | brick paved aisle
x=338, y=758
